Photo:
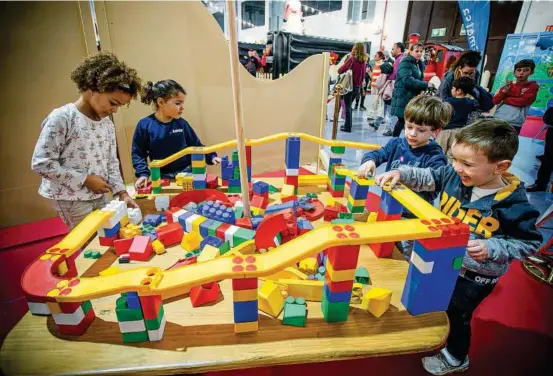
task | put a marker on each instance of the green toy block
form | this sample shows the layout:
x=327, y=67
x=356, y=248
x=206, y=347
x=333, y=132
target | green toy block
x=312, y=195
x=127, y=314
x=338, y=149
x=87, y=253
x=242, y=235
x=234, y=189
x=189, y=255
x=295, y=312
x=86, y=306
x=355, y=209
x=321, y=270
x=155, y=173
x=135, y=337
x=199, y=170
x=334, y=312
x=156, y=189
x=234, y=157
x=95, y=255
x=320, y=277
x=236, y=173
x=457, y=263
x=273, y=189
x=154, y=324
x=224, y=248
x=342, y=221
x=337, y=188
x=212, y=230
x=345, y=216
x=362, y=276
x=238, y=211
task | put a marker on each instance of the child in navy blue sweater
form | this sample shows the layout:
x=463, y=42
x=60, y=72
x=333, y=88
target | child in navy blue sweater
x=164, y=132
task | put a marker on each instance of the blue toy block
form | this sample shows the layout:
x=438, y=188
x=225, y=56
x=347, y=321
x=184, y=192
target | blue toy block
x=245, y=311
x=204, y=227
x=234, y=182
x=335, y=297
x=249, y=169
x=199, y=184
x=333, y=161
x=390, y=205
x=278, y=207
x=337, y=180
x=152, y=235
x=211, y=240
x=152, y=220
x=306, y=206
x=133, y=302
x=111, y=232
x=256, y=221
x=260, y=187
x=198, y=157
x=304, y=224
x=217, y=212
x=183, y=217
x=417, y=304
x=292, y=153
x=358, y=192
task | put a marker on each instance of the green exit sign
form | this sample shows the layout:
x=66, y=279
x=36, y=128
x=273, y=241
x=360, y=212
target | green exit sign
x=440, y=32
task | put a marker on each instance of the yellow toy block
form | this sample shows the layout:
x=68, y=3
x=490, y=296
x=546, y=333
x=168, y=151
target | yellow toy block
x=372, y=217
x=190, y=242
x=156, y=183
x=197, y=222
x=124, y=221
x=246, y=327
x=270, y=299
x=331, y=201
x=339, y=275
x=257, y=211
x=306, y=180
x=309, y=290
x=357, y=293
x=309, y=266
x=62, y=268
x=287, y=190
x=110, y=271
x=130, y=231
x=208, y=253
x=356, y=202
x=197, y=164
x=244, y=295
x=286, y=273
x=377, y=301
x=158, y=246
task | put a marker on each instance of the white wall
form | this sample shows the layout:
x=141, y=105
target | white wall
x=334, y=25
x=535, y=16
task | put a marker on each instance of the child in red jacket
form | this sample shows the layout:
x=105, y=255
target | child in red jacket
x=514, y=99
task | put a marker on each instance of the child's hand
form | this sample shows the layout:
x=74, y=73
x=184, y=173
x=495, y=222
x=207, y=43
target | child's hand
x=367, y=169
x=507, y=86
x=124, y=196
x=390, y=176
x=216, y=160
x=141, y=182
x=97, y=184
x=478, y=250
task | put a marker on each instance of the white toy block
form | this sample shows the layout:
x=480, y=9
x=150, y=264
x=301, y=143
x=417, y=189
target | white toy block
x=119, y=210
x=177, y=214
x=69, y=318
x=162, y=203
x=191, y=206
x=189, y=222
x=425, y=267
x=199, y=177
x=38, y=308
x=132, y=326
x=157, y=335
x=229, y=234
x=135, y=216
x=292, y=171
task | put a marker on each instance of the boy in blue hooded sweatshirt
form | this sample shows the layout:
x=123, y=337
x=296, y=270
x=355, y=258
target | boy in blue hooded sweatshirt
x=478, y=190
x=164, y=132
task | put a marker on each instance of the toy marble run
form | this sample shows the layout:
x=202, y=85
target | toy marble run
x=220, y=243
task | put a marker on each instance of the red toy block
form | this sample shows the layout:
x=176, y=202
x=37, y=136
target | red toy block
x=69, y=307
x=80, y=329
x=165, y=182
x=289, y=198
x=338, y=286
x=316, y=213
x=170, y=234
x=141, y=248
x=197, y=196
x=244, y=284
x=291, y=180
x=244, y=222
x=150, y=306
x=144, y=191
x=169, y=214
x=107, y=242
x=204, y=294
x=220, y=232
x=269, y=227
x=330, y=213
x=122, y=246
x=381, y=250
x=224, y=182
x=259, y=201
x=234, y=198
x=212, y=181
x=248, y=155
x=453, y=235
x=334, y=193
x=387, y=217
x=343, y=257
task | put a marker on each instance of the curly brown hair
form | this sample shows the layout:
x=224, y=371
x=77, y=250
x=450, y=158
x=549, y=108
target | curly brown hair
x=359, y=52
x=104, y=72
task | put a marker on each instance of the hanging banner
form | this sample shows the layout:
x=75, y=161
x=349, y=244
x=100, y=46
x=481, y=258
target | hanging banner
x=476, y=18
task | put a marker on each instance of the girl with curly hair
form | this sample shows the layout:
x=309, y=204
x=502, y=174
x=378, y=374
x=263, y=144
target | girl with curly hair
x=76, y=152
x=357, y=62
x=164, y=132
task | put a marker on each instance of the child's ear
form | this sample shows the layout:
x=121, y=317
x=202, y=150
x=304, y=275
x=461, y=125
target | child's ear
x=436, y=132
x=160, y=101
x=502, y=166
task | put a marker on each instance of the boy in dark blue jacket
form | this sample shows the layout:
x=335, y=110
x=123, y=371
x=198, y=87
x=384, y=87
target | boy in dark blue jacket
x=164, y=132
x=478, y=190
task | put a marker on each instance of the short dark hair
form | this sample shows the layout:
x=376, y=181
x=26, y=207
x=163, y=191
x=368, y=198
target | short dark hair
x=496, y=139
x=161, y=89
x=465, y=84
x=428, y=110
x=400, y=46
x=467, y=59
x=526, y=63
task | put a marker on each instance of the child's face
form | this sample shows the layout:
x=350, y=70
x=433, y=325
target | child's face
x=456, y=92
x=417, y=53
x=418, y=135
x=105, y=104
x=474, y=168
x=173, y=106
x=522, y=74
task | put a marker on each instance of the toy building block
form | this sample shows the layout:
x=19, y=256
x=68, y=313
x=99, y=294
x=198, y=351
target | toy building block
x=240, y=236
x=362, y=276
x=92, y=254
x=170, y=234
x=382, y=250
x=110, y=271
x=224, y=248
x=74, y=320
x=342, y=221
x=288, y=191
x=162, y=203
x=311, y=290
x=274, y=208
x=270, y=298
x=152, y=220
x=144, y=191
x=244, y=223
x=245, y=311
x=212, y=181
x=334, y=312
x=141, y=248
x=125, y=258
x=330, y=213
x=377, y=301
x=345, y=216
x=204, y=294
x=209, y=252
x=261, y=188
x=309, y=265
x=295, y=312
x=191, y=241
x=107, y=242
x=158, y=247
x=212, y=241
x=135, y=216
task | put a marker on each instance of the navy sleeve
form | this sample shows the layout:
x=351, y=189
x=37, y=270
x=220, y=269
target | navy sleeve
x=485, y=100
x=382, y=155
x=139, y=150
x=436, y=161
x=192, y=139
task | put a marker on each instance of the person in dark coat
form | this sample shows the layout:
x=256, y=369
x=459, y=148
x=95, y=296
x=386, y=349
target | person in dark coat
x=409, y=83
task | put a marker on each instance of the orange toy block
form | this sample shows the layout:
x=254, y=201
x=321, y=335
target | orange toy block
x=141, y=248
x=204, y=294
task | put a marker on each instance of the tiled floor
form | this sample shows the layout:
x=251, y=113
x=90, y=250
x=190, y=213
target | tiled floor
x=525, y=165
